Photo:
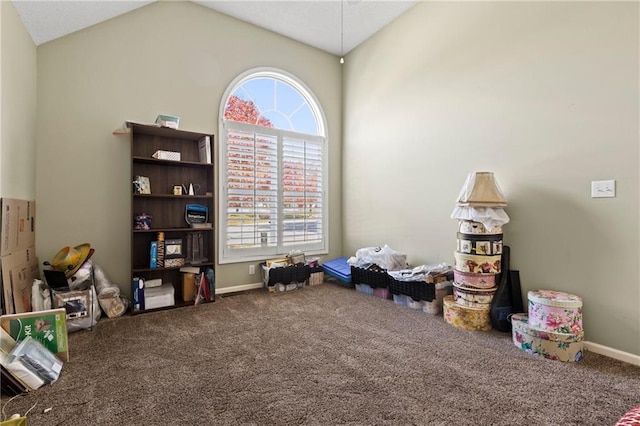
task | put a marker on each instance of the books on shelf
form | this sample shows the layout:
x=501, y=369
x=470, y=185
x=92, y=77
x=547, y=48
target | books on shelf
x=153, y=255
x=204, y=148
x=206, y=286
x=138, y=294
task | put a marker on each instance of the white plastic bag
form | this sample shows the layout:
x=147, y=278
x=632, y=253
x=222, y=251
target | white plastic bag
x=385, y=257
x=488, y=216
x=109, y=297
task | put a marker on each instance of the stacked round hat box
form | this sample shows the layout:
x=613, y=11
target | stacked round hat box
x=553, y=327
x=478, y=255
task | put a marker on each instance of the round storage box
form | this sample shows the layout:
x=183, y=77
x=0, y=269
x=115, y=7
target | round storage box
x=471, y=227
x=477, y=264
x=479, y=244
x=565, y=347
x=555, y=311
x=472, y=319
x=630, y=418
x=473, y=297
x=474, y=280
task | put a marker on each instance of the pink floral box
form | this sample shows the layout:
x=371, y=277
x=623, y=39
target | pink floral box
x=555, y=311
x=564, y=347
x=475, y=280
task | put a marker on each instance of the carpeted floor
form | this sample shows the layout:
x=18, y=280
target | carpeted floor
x=321, y=355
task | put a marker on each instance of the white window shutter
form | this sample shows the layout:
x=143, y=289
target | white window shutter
x=252, y=189
x=302, y=188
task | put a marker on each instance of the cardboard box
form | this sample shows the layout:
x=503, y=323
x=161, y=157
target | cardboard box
x=159, y=297
x=18, y=225
x=283, y=260
x=188, y=286
x=18, y=270
x=49, y=327
x=157, y=282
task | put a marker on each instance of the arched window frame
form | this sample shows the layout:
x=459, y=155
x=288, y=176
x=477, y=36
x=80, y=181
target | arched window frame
x=316, y=142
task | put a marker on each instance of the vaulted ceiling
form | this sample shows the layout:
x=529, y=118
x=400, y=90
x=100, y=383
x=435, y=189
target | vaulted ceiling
x=333, y=26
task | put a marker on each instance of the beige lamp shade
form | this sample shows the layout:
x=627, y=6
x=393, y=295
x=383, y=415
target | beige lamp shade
x=481, y=190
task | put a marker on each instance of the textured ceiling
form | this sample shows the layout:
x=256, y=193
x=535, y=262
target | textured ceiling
x=317, y=23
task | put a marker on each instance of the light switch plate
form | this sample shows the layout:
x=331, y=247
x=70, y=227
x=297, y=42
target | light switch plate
x=603, y=188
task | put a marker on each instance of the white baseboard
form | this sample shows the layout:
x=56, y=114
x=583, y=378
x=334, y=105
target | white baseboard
x=243, y=287
x=612, y=353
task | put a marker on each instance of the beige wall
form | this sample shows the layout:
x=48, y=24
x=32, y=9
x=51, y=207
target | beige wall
x=17, y=108
x=546, y=96
x=169, y=57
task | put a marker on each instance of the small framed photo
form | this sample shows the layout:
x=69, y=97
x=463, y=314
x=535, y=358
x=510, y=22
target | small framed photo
x=173, y=248
x=142, y=185
x=177, y=189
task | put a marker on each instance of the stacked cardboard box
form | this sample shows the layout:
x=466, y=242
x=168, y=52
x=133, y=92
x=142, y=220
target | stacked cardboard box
x=18, y=262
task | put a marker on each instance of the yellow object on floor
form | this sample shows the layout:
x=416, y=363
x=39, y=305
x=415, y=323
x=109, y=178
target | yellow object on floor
x=15, y=421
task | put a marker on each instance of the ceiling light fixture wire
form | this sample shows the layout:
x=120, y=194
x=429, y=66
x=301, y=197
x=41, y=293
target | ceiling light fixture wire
x=342, y=31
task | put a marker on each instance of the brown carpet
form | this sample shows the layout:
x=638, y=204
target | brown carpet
x=320, y=355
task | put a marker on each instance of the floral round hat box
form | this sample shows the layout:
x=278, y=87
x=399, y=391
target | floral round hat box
x=471, y=279
x=566, y=347
x=476, y=263
x=555, y=311
x=464, y=317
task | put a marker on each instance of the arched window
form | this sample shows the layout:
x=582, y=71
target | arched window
x=273, y=168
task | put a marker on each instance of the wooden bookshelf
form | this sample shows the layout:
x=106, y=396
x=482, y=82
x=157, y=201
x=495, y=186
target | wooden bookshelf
x=166, y=209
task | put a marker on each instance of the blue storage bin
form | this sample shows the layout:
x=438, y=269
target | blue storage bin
x=339, y=269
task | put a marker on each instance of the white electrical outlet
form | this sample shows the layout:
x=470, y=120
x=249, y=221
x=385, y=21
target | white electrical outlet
x=603, y=188
x=252, y=269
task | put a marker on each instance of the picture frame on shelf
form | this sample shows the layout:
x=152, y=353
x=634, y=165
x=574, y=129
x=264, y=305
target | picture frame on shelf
x=142, y=185
x=173, y=248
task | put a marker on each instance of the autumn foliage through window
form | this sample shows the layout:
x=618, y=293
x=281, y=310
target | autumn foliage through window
x=244, y=111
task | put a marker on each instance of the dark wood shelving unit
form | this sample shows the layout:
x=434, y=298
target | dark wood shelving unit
x=167, y=210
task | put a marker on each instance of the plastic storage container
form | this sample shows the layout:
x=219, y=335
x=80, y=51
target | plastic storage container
x=364, y=288
x=374, y=278
x=285, y=278
x=340, y=270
